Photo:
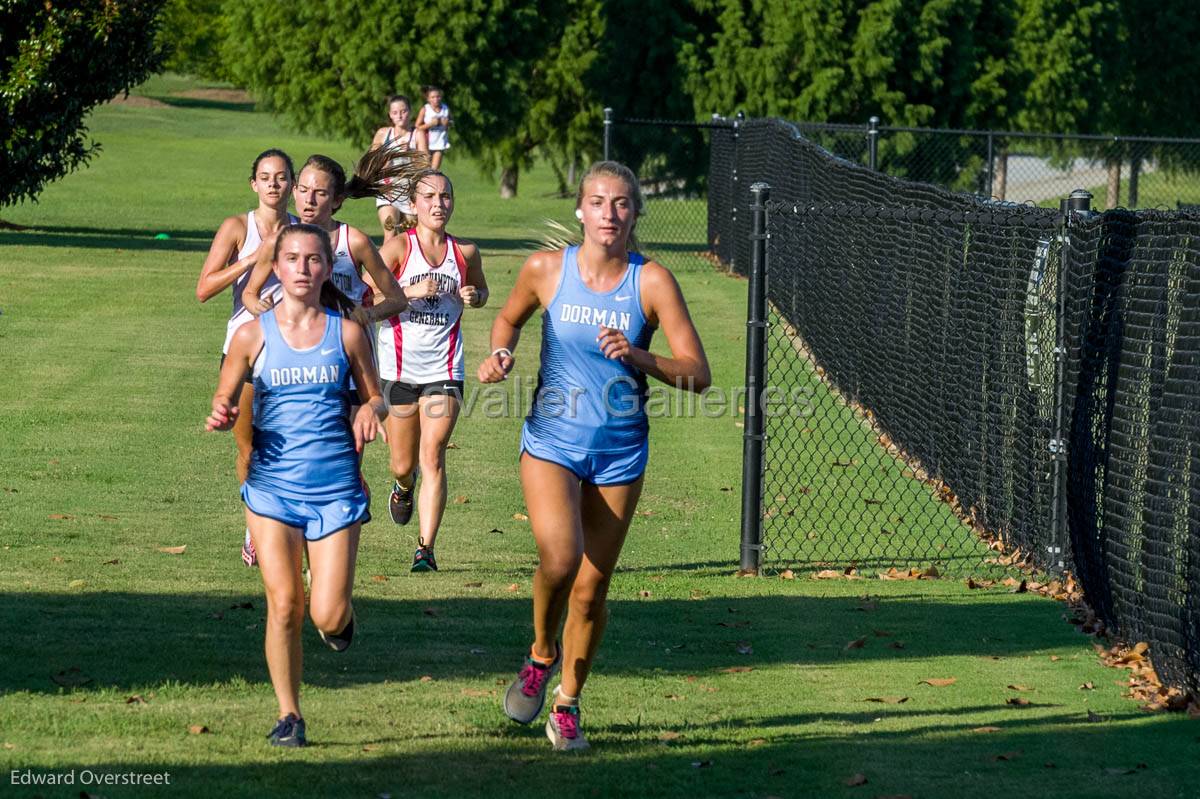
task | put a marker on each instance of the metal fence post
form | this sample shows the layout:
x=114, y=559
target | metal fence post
x=756, y=366
x=738, y=119
x=1079, y=202
x=991, y=147
x=873, y=143
x=608, y=114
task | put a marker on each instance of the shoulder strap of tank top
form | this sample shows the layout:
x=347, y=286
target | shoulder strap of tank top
x=333, y=329
x=459, y=259
x=343, y=239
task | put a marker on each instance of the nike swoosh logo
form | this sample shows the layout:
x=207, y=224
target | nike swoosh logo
x=328, y=351
x=345, y=509
x=619, y=298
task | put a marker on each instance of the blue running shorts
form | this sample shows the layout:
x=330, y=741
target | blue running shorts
x=315, y=519
x=616, y=468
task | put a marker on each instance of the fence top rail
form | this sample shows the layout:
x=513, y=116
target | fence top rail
x=1016, y=134
x=675, y=123
x=1004, y=216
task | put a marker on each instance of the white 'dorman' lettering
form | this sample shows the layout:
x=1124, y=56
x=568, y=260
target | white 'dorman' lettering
x=585, y=315
x=295, y=375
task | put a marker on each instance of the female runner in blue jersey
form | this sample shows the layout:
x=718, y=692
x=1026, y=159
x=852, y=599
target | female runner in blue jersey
x=303, y=492
x=584, y=445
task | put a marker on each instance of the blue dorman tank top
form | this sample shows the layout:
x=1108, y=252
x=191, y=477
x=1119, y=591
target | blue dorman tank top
x=585, y=401
x=303, y=442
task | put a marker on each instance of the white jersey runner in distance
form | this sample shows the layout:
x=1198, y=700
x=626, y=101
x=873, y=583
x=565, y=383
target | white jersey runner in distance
x=423, y=344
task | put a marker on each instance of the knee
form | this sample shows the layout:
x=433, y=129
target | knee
x=560, y=569
x=433, y=458
x=285, y=608
x=329, y=618
x=589, y=597
x=401, y=463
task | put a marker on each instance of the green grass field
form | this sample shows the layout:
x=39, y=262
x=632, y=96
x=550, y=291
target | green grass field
x=708, y=684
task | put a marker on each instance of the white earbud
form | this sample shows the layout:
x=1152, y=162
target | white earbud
x=579, y=214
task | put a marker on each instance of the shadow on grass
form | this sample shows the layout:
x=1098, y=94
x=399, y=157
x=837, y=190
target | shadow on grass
x=205, y=103
x=1043, y=758
x=127, y=640
x=108, y=238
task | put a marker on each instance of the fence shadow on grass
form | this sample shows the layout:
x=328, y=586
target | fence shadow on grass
x=135, y=641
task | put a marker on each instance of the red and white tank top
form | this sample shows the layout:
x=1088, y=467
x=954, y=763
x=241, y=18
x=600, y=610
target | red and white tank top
x=423, y=344
x=345, y=271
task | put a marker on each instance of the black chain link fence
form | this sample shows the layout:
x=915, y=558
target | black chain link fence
x=1132, y=318
x=951, y=377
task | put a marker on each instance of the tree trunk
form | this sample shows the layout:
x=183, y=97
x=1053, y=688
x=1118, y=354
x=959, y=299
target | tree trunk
x=1000, y=175
x=508, y=182
x=1113, y=198
x=1135, y=171
x=571, y=174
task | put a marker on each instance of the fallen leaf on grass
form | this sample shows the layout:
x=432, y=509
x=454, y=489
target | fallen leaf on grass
x=1006, y=756
x=379, y=578
x=112, y=562
x=179, y=550
x=856, y=780
x=136, y=699
x=59, y=517
x=1055, y=658
x=787, y=574
x=1022, y=587
x=107, y=518
x=430, y=611
x=736, y=669
x=1088, y=686
x=461, y=500
x=672, y=697
x=887, y=700
x=7, y=745
x=1019, y=701
x=986, y=729
x=827, y=574
x=77, y=584
x=669, y=735
x=370, y=748
x=1020, y=688
x=644, y=594
x=756, y=741
x=198, y=729
x=474, y=584
x=496, y=530
x=514, y=587
x=857, y=643
x=426, y=678
x=520, y=517
x=939, y=682
x=896, y=645
x=452, y=445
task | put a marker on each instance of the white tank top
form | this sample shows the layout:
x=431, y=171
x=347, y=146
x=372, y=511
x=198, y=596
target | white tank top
x=271, y=288
x=438, y=139
x=423, y=344
x=345, y=272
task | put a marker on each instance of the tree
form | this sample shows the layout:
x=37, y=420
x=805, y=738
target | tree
x=58, y=62
x=191, y=34
x=522, y=77
x=329, y=67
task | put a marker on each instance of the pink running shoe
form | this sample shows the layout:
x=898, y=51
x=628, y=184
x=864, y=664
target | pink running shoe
x=562, y=728
x=249, y=556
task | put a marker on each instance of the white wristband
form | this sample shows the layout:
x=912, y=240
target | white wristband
x=502, y=351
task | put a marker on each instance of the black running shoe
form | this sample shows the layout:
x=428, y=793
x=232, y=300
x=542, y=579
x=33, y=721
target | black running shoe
x=423, y=560
x=289, y=731
x=401, y=503
x=339, y=642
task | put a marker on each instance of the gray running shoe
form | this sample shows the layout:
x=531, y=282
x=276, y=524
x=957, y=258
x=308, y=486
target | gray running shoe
x=525, y=698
